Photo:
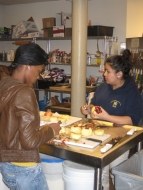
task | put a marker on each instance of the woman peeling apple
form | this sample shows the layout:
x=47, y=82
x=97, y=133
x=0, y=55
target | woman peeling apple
x=117, y=100
x=118, y=97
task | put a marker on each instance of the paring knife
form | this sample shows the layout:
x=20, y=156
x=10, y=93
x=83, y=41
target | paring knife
x=95, y=140
x=110, y=144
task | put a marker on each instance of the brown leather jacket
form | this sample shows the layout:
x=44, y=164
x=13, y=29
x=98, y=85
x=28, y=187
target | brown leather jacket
x=5, y=71
x=20, y=136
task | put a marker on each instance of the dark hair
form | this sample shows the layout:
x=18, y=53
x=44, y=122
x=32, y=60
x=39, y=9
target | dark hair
x=121, y=63
x=30, y=54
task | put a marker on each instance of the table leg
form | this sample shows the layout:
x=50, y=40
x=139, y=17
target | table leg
x=139, y=146
x=98, y=179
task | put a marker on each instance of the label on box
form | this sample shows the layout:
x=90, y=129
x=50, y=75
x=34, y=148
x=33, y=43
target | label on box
x=58, y=31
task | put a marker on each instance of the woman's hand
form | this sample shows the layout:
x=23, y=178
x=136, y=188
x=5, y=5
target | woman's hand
x=86, y=109
x=102, y=115
x=55, y=126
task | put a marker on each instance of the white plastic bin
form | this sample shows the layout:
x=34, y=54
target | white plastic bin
x=77, y=176
x=53, y=170
x=129, y=174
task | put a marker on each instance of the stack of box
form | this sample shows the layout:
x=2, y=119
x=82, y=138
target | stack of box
x=60, y=26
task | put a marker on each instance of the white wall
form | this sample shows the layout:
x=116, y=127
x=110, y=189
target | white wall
x=134, y=27
x=100, y=12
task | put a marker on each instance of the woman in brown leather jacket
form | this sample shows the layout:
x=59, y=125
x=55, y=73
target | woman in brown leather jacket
x=20, y=133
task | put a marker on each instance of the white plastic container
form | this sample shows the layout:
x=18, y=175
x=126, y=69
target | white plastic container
x=77, y=176
x=53, y=170
x=77, y=184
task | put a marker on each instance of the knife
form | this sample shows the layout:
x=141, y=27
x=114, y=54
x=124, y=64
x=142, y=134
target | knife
x=110, y=144
x=95, y=140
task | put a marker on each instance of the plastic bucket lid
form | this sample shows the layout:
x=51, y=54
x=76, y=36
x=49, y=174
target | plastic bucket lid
x=50, y=159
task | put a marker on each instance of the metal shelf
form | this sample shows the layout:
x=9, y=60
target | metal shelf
x=68, y=64
x=54, y=38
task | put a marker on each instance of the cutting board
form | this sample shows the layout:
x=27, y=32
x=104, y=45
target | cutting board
x=70, y=121
x=86, y=143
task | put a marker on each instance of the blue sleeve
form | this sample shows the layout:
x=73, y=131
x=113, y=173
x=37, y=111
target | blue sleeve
x=134, y=107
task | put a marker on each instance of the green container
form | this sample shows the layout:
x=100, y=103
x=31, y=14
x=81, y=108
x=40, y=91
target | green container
x=1, y=30
x=5, y=30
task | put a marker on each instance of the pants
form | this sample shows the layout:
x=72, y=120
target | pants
x=23, y=178
x=107, y=170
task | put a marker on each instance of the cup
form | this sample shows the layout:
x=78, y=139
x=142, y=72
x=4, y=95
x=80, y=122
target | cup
x=12, y=54
x=8, y=56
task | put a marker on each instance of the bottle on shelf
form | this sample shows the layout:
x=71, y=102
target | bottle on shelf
x=3, y=55
x=54, y=57
x=88, y=59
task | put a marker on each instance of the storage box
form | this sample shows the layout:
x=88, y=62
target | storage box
x=68, y=32
x=35, y=34
x=129, y=174
x=48, y=32
x=64, y=19
x=43, y=83
x=24, y=27
x=58, y=31
x=48, y=22
x=100, y=30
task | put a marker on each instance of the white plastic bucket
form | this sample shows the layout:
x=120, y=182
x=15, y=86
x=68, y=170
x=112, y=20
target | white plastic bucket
x=77, y=176
x=53, y=170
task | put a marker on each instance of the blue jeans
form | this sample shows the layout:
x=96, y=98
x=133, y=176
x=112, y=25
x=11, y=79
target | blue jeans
x=23, y=178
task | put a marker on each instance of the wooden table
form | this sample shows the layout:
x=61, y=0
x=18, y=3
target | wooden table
x=93, y=157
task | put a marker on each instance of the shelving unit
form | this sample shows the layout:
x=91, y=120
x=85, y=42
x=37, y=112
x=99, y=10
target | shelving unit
x=48, y=49
x=63, y=107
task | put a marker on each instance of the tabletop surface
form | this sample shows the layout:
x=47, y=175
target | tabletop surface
x=93, y=157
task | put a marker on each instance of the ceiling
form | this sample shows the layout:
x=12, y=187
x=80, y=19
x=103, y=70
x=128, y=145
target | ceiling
x=14, y=2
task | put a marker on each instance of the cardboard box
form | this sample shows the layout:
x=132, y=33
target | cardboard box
x=68, y=32
x=48, y=22
x=64, y=19
x=24, y=27
x=35, y=34
x=48, y=32
x=58, y=31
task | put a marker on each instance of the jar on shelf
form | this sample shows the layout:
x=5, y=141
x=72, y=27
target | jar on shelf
x=98, y=60
x=89, y=60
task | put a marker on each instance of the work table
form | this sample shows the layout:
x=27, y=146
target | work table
x=93, y=157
